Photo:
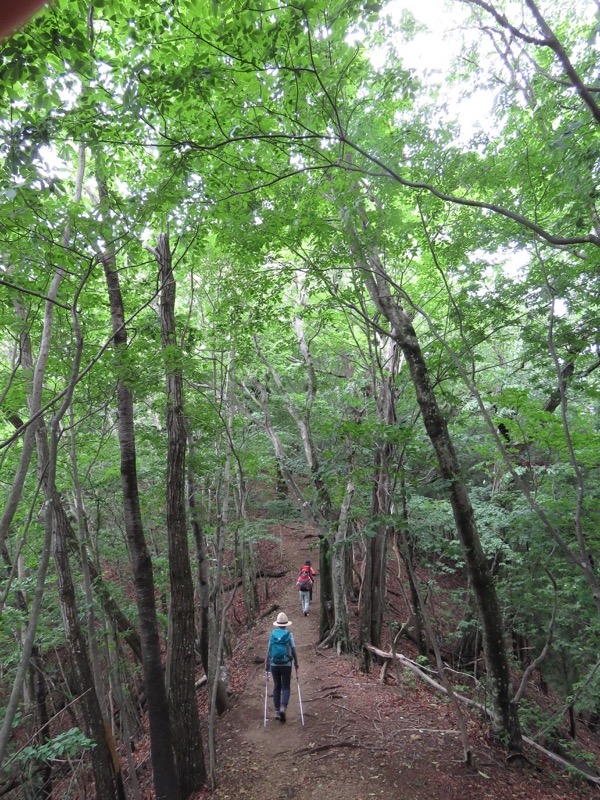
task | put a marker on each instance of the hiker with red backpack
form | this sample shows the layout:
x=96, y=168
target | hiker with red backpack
x=280, y=655
x=305, y=585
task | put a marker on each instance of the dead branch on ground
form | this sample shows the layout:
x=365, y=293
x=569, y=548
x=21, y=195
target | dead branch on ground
x=562, y=762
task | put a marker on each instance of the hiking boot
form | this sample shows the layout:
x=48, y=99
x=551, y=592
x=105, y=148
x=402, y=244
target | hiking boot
x=277, y=714
x=282, y=715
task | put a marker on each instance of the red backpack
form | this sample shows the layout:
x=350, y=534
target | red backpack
x=304, y=582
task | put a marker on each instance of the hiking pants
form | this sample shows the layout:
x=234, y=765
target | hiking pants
x=305, y=601
x=282, y=676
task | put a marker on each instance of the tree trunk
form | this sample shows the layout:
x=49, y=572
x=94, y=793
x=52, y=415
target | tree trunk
x=107, y=774
x=381, y=499
x=181, y=660
x=201, y=560
x=44, y=792
x=163, y=764
x=505, y=718
x=90, y=615
x=340, y=633
x=108, y=779
x=407, y=555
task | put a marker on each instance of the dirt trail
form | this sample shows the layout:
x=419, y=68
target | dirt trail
x=361, y=738
x=282, y=761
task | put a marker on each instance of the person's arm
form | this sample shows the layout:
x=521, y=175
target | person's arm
x=268, y=656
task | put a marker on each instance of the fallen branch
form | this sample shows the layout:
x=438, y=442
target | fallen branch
x=270, y=610
x=259, y=574
x=562, y=762
x=346, y=743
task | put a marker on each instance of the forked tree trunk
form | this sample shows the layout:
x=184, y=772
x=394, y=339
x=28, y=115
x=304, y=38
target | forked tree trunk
x=505, y=716
x=161, y=744
x=374, y=587
x=181, y=660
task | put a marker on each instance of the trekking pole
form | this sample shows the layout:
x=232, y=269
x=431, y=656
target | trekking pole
x=299, y=698
x=266, y=695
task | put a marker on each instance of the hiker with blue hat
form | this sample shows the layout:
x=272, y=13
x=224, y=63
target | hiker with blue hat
x=281, y=653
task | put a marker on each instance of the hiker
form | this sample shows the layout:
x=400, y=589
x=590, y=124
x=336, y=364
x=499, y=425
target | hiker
x=305, y=585
x=307, y=567
x=280, y=654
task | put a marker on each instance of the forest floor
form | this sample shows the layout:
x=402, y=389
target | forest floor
x=361, y=738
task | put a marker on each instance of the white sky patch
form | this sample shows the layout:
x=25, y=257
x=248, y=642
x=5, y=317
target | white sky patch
x=431, y=53
x=560, y=307
x=123, y=187
x=51, y=165
x=514, y=263
x=432, y=50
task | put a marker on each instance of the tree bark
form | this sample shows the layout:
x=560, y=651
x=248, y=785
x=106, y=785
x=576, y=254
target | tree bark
x=181, y=661
x=41, y=720
x=505, y=718
x=161, y=745
x=201, y=560
x=107, y=774
x=386, y=362
x=379, y=285
x=340, y=633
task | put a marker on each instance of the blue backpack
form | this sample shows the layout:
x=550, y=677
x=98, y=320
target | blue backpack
x=280, y=647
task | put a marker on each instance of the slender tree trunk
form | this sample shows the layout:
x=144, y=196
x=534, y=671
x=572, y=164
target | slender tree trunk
x=105, y=765
x=340, y=633
x=217, y=609
x=90, y=615
x=201, y=559
x=506, y=718
x=181, y=660
x=36, y=378
x=407, y=555
x=161, y=745
x=381, y=497
x=108, y=779
x=41, y=721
